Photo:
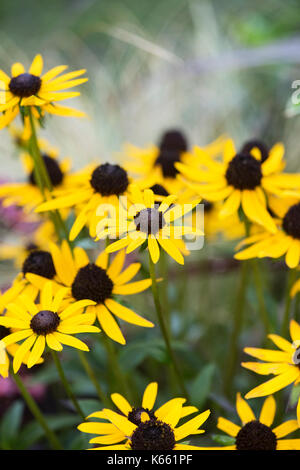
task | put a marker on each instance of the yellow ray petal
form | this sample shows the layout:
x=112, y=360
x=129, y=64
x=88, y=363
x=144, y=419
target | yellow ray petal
x=109, y=324
x=243, y=409
x=286, y=428
x=268, y=411
x=127, y=314
x=275, y=384
x=121, y=403
x=149, y=396
x=227, y=426
x=36, y=351
x=36, y=67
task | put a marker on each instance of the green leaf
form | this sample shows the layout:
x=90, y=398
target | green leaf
x=201, y=386
x=10, y=425
x=223, y=440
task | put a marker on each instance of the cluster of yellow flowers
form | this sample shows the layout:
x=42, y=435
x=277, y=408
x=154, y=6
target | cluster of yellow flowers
x=147, y=201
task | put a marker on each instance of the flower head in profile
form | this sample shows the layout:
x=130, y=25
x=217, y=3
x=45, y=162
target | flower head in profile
x=242, y=179
x=40, y=91
x=285, y=242
x=38, y=325
x=98, y=281
x=142, y=428
x=257, y=434
x=98, y=186
x=145, y=221
x=284, y=364
x=28, y=194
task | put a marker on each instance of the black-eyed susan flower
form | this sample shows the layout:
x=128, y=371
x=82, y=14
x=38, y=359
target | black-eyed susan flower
x=154, y=167
x=45, y=324
x=243, y=180
x=284, y=364
x=146, y=221
x=99, y=186
x=257, y=434
x=99, y=282
x=28, y=194
x=285, y=242
x=141, y=428
x=40, y=92
x=109, y=433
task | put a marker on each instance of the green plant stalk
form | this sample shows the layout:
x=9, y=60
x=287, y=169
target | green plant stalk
x=288, y=303
x=35, y=410
x=260, y=297
x=42, y=177
x=164, y=329
x=237, y=327
x=120, y=377
x=66, y=384
x=90, y=372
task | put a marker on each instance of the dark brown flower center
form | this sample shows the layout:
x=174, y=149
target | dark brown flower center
x=296, y=357
x=208, y=206
x=55, y=174
x=172, y=145
x=291, y=221
x=25, y=85
x=256, y=143
x=244, y=172
x=153, y=435
x=136, y=413
x=39, y=262
x=149, y=221
x=256, y=436
x=4, y=332
x=159, y=190
x=92, y=282
x=44, y=322
x=109, y=180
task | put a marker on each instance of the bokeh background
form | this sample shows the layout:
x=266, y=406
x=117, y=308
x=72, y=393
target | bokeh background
x=207, y=67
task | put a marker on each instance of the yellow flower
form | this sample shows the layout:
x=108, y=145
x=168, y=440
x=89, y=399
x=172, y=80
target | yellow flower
x=100, y=186
x=27, y=194
x=242, y=180
x=257, y=434
x=285, y=242
x=99, y=282
x=154, y=167
x=45, y=324
x=142, y=428
x=144, y=221
x=40, y=92
x=284, y=364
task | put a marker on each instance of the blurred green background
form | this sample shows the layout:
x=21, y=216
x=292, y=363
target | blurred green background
x=207, y=66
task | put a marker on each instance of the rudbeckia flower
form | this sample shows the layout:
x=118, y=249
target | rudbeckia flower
x=154, y=167
x=142, y=428
x=286, y=242
x=257, y=434
x=45, y=324
x=27, y=194
x=145, y=221
x=98, y=282
x=284, y=364
x=243, y=180
x=40, y=92
x=99, y=187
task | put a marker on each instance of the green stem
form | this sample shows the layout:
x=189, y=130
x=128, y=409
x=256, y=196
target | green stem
x=231, y=361
x=120, y=378
x=66, y=384
x=90, y=372
x=260, y=296
x=35, y=410
x=42, y=177
x=163, y=328
x=288, y=302
x=164, y=287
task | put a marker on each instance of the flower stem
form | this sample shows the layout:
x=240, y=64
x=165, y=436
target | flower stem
x=115, y=366
x=288, y=302
x=89, y=371
x=42, y=177
x=66, y=384
x=237, y=326
x=260, y=297
x=35, y=410
x=163, y=327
